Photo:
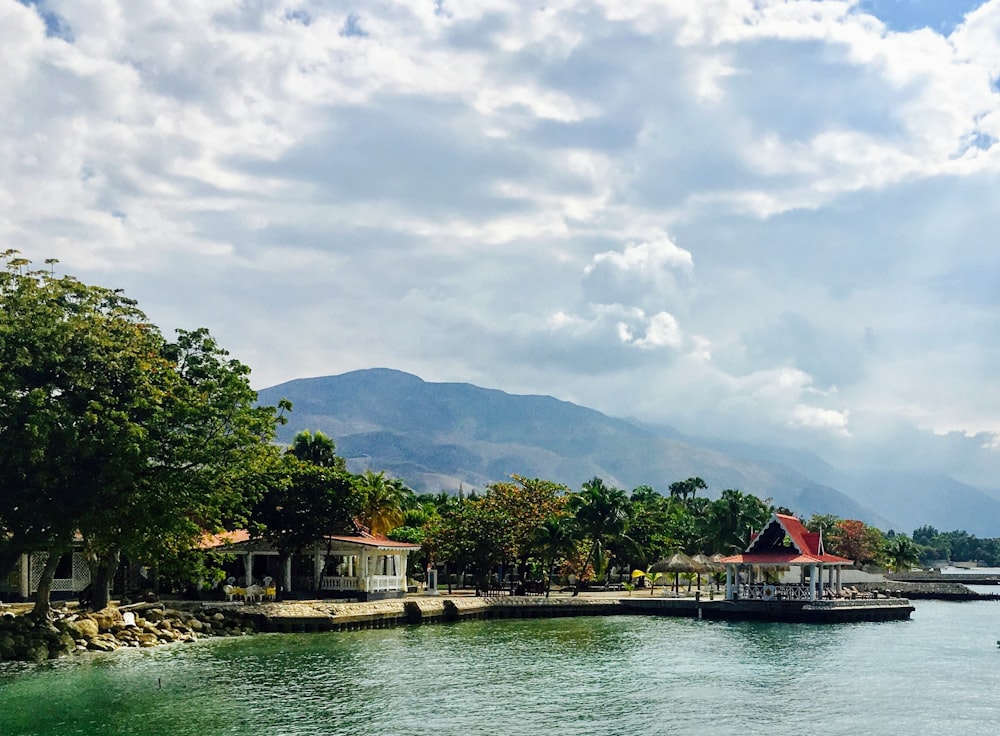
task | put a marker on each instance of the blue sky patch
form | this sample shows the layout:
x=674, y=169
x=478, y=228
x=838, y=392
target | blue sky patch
x=908, y=15
x=55, y=25
x=352, y=26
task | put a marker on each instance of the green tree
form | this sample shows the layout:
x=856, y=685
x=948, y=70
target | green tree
x=925, y=535
x=732, y=518
x=382, y=502
x=472, y=534
x=901, y=553
x=555, y=537
x=317, y=449
x=310, y=495
x=109, y=430
x=602, y=516
x=683, y=488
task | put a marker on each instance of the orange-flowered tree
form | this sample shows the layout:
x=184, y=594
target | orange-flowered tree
x=854, y=540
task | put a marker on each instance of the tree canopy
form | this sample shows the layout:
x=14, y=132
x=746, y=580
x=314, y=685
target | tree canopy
x=109, y=430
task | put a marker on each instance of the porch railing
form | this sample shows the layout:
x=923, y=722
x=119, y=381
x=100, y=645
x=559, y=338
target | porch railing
x=766, y=592
x=333, y=582
x=377, y=583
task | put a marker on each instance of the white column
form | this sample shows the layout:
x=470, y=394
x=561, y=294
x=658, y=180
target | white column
x=25, y=575
x=729, y=582
x=838, y=580
x=248, y=568
x=317, y=568
x=812, y=582
x=288, y=574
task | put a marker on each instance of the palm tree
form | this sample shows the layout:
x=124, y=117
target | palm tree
x=555, y=537
x=901, y=553
x=601, y=515
x=683, y=488
x=316, y=448
x=382, y=504
x=731, y=518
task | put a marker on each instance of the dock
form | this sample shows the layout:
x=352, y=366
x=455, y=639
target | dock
x=417, y=610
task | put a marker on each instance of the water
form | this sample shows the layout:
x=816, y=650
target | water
x=938, y=673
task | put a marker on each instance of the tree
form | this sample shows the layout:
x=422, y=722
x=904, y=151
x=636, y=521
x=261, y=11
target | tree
x=732, y=518
x=901, y=553
x=601, y=515
x=472, y=533
x=109, y=430
x=317, y=449
x=555, y=537
x=527, y=503
x=382, y=502
x=925, y=535
x=854, y=540
x=683, y=488
x=310, y=495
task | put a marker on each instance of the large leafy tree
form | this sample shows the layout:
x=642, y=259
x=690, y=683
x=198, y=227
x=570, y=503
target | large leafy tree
x=472, y=534
x=527, y=503
x=310, y=495
x=109, y=430
x=854, y=540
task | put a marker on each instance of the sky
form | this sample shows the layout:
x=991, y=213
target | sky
x=766, y=220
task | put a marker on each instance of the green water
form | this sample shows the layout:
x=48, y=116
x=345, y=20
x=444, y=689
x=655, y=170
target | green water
x=936, y=674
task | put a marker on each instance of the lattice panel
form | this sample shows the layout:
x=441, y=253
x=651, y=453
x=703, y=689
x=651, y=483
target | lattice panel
x=81, y=573
x=81, y=570
x=35, y=567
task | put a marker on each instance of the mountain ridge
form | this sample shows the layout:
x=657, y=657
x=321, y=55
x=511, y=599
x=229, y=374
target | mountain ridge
x=442, y=436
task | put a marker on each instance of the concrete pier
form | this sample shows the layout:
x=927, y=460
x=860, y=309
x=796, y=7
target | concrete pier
x=343, y=616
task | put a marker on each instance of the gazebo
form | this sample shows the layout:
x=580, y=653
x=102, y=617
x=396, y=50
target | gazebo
x=784, y=543
x=359, y=565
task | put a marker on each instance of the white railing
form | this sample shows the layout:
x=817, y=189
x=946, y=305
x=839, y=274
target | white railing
x=331, y=582
x=376, y=583
x=777, y=592
x=385, y=582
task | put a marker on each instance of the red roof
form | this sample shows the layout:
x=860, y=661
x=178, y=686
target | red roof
x=769, y=546
x=373, y=540
x=210, y=541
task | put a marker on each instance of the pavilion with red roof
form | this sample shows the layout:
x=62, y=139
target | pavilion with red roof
x=782, y=544
x=361, y=565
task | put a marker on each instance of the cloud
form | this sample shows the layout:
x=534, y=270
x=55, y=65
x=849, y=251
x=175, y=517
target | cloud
x=517, y=195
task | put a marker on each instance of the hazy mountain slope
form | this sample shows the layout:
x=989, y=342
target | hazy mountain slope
x=911, y=500
x=438, y=435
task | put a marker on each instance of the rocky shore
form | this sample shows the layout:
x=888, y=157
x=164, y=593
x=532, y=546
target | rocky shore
x=146, y=625
x=943, y=590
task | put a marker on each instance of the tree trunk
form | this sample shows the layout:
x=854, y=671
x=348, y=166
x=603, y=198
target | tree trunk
x=43, y=605
x=286, y=571
x=586, y=564
x=104, y=573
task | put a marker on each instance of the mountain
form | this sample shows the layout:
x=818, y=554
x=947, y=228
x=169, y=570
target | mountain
x=440, y=436
x=910, y=499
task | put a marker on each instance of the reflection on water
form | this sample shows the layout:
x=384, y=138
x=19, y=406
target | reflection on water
x=615, y=675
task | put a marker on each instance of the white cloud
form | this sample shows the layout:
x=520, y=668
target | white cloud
x=811, y=417
x=648, y=259
x=484, y=192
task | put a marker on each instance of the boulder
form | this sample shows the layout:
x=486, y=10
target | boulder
x=147, y=640
x=83, y=628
